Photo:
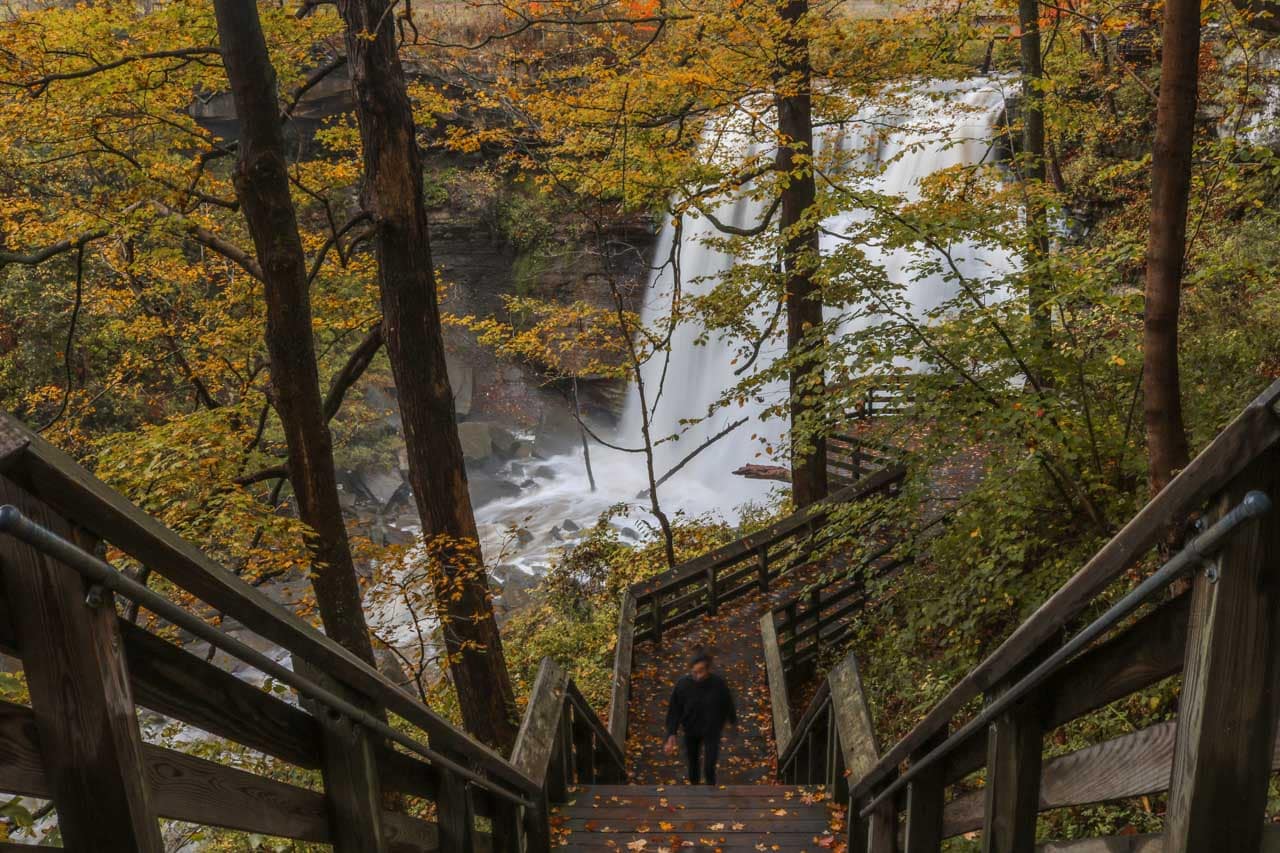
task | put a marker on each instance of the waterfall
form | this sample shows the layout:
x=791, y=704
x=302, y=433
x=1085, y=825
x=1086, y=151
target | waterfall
x=942, y=125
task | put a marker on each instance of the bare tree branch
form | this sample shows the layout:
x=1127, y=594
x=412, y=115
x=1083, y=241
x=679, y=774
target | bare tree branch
x=39, y=256
x=37, y=85
x=212, y=241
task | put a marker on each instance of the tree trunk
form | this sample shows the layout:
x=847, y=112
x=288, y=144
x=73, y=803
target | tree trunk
x=799, y=231
x=415, y=345
x=1166, y=245
x=1033, y=171
x=262, y=185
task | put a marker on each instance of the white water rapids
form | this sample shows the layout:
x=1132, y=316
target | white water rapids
x=946, y=125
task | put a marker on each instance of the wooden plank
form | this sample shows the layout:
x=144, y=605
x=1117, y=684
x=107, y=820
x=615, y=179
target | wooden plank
x=1254, y=431
x=83, y=707
x=776, y=677
x=853, y=718
x=172, y=681
x=406, y=834
x=536, y=741
x=77, y=495
x=184, y=787
x=1230, y=695
x=620, y=692
x=1143, y=844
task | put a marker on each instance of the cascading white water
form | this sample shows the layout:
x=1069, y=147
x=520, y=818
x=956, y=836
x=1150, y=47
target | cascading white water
x=945, y=125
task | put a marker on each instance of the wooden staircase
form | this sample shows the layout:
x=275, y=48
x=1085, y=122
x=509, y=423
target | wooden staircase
x=650, y=818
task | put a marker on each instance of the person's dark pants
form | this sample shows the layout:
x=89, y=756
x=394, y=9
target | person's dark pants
x=706, y=748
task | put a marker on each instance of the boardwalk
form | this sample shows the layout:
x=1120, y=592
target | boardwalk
x=733, y=637
x=654, y=817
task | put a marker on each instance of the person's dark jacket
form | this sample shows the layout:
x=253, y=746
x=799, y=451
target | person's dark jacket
x=701, y=708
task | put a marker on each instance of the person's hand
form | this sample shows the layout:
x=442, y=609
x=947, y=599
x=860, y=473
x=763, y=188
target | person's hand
x=670, y=746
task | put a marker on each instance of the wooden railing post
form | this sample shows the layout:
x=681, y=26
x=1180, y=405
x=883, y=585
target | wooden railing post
x=762, y=564
x=657, y=616
x=71, y=651
x=882, y=829
x=508, y=826
x=584, y=750
x=925, y=801
x=455, y=814
x=713, y=594
x=775, y=674
x=861, y=750
x=1227, y=711
x=876, y=833
x=537, y=827
x=1014, y=747
x=352, y=790
x=620, y=695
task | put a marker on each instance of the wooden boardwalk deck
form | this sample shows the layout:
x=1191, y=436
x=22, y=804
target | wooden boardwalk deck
x=788, y=819
x=733, y=637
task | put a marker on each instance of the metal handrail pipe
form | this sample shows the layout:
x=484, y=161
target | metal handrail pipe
x=96, y=571
x=1198, y=550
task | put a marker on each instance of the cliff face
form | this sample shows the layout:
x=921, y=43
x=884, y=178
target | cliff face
x=491, y=238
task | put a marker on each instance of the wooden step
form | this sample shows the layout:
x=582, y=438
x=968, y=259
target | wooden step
x=650, y=818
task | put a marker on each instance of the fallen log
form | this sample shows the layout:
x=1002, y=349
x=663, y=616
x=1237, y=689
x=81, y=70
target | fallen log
x=765, y=472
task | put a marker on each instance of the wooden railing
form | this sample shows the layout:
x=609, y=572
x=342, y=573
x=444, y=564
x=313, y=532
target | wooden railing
x=884, y=397
x=750, y=563
x=850, y=458
x=704, y=583
x=795, y=634
x=87, y=669
x=834, y=740
x=822, y=617
x=563, y=743
x=1215, y=759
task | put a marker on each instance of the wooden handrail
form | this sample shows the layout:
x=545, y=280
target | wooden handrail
x=702, y=584
x=561, y=743
x=69, y=489
x=1225, y=641
x=1249, y=436
x=801, y=729
x=597, y=726
x=774, y=533
x=106, y=785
